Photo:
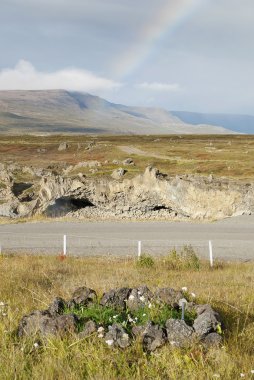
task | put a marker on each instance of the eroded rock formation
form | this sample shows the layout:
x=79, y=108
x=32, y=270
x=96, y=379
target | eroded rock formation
x=57, y=192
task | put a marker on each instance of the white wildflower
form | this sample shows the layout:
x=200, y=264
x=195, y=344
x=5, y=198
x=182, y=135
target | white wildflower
x=242, y=375
x=142, y=299
x=115, y=316
x=125, y=336
x=110, y=342
x=193, y=295
x=252, y=371
x=184, y=288
x=172, y=342
x=2, y=303
x=100, y=329
x=100, y=335
x=36, y=345
x=150, y=305
x=131, y=297
x=144, y=315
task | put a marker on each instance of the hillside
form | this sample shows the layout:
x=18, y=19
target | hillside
x=237, y=123
x=60, y=111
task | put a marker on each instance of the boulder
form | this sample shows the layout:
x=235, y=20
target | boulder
x=212, y=340
x=153, y=337
x=42, y=323
x=168, y=296
x=139, y=297
x=83, y=296
x=63, y=146
x=178, y=332
x=118, y=173
x=89, y=328
x=116, y=298
x=128, y=161
x=117, y=336
x=206, y=321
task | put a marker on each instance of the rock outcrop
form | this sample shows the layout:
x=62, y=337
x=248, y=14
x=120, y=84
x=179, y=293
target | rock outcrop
x=151, y=195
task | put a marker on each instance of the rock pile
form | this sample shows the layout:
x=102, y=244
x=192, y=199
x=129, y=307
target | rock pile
x=128, y=306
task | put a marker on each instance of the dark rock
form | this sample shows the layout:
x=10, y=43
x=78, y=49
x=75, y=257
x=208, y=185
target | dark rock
x=83, y=297
x=178, y=332
x=57, y=306
x=169, y=297
x=41, y=322
x=212, y=340
x=60, y=325
x=33, y=323
x=153, y=337
x=117, y=336
x=206, y=321
x=116, y=298
x=89, y=328
x=139, y=297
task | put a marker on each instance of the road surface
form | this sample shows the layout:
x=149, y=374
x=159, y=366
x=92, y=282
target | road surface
x=231, y=238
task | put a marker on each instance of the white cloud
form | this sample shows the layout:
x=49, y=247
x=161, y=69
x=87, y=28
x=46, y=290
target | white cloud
x=24, y=76
x=157, y=86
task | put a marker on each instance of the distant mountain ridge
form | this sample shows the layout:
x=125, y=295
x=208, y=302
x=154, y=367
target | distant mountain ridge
x=234, y=122
x=60, y=111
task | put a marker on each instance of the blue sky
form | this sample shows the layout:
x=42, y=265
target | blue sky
x=194, y=55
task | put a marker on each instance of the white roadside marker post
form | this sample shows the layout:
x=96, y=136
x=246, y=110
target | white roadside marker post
x=64, y=245
x=211, y=253
x=139, y=248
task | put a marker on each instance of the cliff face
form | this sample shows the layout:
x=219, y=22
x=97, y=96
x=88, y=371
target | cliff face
x=150, y=195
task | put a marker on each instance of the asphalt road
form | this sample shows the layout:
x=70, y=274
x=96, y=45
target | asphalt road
x=231, y=238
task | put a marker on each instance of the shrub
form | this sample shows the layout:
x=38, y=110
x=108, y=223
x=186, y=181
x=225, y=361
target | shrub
x=145, y=261
x=185, y=259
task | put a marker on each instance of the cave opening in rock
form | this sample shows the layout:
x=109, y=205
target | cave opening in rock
x=64, y=205
x=161, y=207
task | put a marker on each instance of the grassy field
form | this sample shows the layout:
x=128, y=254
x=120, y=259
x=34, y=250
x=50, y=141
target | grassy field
x=29, y=283
x=230, y=156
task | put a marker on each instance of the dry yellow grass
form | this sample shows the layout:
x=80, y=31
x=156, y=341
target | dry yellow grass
x=29, y=283
x=229, y=156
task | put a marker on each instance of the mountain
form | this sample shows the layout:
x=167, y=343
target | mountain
x=60, y=111
x=237, y=123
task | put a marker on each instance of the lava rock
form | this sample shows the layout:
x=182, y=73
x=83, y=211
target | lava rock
x=83, y=296
x=212, y=340
x=117, y=336
x=57, y=306
x=178, y=332
x=89, y=328
x=206, y=321
x=139, y=297
x=153, y=337
x=42, y=323
x=116, y=298
x=169, y=297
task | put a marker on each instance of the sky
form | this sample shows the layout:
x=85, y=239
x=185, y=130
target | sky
x=194, y=55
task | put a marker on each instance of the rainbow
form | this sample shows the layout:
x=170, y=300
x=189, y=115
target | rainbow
x=167, y=19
